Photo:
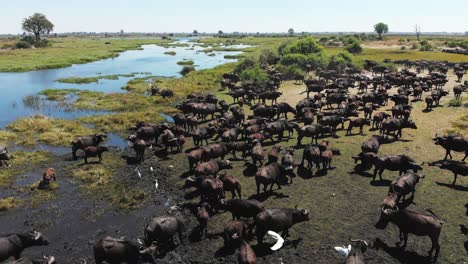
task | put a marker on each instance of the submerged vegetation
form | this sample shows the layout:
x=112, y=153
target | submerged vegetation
x=185, y=62
x=79, y=80
x=21, y=162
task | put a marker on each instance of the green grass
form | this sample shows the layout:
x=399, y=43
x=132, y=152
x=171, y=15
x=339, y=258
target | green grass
x=66, y=51
x=185, y=62
x=51, y=131
x=57, y=94
x=172, y=53
x=80, y=80
x=9, y=203
x=234, y=56
x=7, y=137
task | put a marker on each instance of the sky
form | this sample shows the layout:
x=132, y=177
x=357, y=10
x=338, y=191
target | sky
x=238, y=15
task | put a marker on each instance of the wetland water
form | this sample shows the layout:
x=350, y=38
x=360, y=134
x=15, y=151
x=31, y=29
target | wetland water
x=151, y=60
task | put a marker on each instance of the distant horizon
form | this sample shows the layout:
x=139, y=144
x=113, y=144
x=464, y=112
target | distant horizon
x=272, y=16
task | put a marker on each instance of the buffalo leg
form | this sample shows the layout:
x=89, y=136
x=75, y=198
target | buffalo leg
x=277, y=183
x=454, y=180
x=258, y=188
x=466, y=154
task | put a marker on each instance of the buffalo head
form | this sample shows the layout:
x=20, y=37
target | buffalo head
x=385, y=215
x=410, y=124
x=301, y=215
x=361, y=244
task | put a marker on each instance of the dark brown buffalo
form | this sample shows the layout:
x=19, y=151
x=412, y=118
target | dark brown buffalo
x=372, y=144
x=244, y=208
x=257, y=153
x=162, y=230
x=405, y=184
x=285, y=108
x=203, y=133
x=396, y=125
x=235, y=230
x=307, y=116
x=332, y=121
x=230, y=135
x=287, y=161
x=139, y=145
x=202, y=218
x=93, y=151
x=457, y=91
x=327, y=157
x=378, y=118
x=357, y=122
x=4, y=156
x=86, y=141
x=278, y=220
x=195, y=156
x=212, y=167
x=11, y=245
x=115, y=251
x=313, y=154
x=219, y=150
x=409, y=222
x=458, y=144
x=429, y=102
x=312, y=131
x=401, y=163
x=231, y=184
x=367, y=159
x=246, y=254
x=457, y=168
x=273, y=173
x=273, y=154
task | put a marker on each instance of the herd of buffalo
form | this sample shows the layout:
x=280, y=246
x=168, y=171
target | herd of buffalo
x=329, y=105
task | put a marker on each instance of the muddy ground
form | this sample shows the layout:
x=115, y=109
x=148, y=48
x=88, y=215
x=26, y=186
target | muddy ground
x=342, y=203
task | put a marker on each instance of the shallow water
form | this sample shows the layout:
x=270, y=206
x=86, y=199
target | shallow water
x=151, y=59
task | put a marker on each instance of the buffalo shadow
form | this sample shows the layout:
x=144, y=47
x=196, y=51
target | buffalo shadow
x=250, y=169
x=403, y=256
x=454, y=187
x=306, y=174
x=263, y=196
x=263, y=250
x=381, y=183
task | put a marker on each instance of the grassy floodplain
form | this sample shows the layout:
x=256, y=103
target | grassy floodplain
x=66, y=51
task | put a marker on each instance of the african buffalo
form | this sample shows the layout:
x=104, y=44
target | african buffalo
x=115, y=251
x=401, y=163
x=162, y=230
x=357, y=122
x=313, y=154
x=372, y=144
x=86, y=141
x=405, y=184
x=458, y=168
x=414, y=223
x=231, y=184
x=455, y=143
x=93, y=151
x=235, y=230
x=278, y=220
x=11, y=245
x=273, y=173
x=212, y=167
x=4, y=156
x=396, y=125
x=244, y=208
x=312, y=131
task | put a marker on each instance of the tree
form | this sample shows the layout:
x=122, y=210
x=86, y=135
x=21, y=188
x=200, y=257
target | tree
x=121, y=32
x=220, y=32
x=37, y=24
x=381, y=28
x=195, y=32
x=291, y=31
x=417, y=30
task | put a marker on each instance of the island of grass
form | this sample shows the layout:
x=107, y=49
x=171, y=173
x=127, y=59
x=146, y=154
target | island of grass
x=80, y=80
x=185, y=62
x=69, y=50
x=172, y=53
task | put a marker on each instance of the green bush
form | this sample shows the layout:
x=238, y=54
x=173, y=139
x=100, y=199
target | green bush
x=301, y=60
x=29, y=39
x=290, y=72
x=340, y=61
x=42, y=43
x=425, y=45
x=268, y=56
x=403, y=48
x=244, y=64
x=455, y=103
x=415, y=46
x=255, y=74
x=353, y=48
x=22, y=45
x=307, y=45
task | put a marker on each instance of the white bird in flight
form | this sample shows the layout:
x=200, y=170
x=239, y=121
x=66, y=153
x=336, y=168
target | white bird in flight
x=343, y=250
x=279, y=240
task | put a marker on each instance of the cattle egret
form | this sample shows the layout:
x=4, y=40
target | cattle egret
x=168, y=203
x=156, y=184
x=138, y=172
x=279, y=240
x=151, y=169
x=343, y=250
x=281, y=260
